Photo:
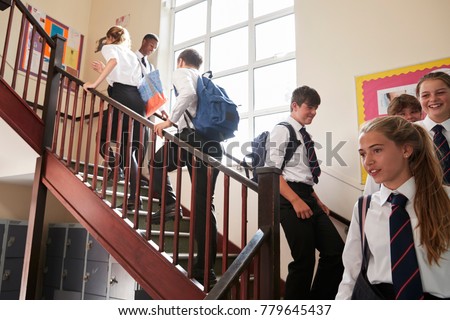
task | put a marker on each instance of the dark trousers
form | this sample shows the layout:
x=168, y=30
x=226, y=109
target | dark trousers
x=212, y=148
x=130, y=97
x=304, y=236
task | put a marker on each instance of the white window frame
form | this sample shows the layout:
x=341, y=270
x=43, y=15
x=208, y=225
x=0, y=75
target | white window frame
x=251, y=114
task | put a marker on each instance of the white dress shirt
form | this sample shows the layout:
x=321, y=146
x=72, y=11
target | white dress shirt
x=127, y=71
x=148, y=66
x=185, y=82
x=435, y=279
x=297, y=168
x=428, y=124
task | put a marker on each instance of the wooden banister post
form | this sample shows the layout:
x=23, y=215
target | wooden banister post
x=269, y=216
x=31, y=270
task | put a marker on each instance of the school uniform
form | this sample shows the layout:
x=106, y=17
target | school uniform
x=435, y=278
x=123, y=82
x=304, y=236
x=185, y=83
x=428, y=124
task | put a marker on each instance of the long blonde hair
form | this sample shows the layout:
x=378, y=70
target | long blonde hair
x=431, y=202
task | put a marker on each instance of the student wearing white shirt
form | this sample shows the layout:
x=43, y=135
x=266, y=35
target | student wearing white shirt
x=184, y=80
x=433, y=92
x=148, y=47
x=407, y=107
x=303, y=217
x=400, y=156
x=123, y=74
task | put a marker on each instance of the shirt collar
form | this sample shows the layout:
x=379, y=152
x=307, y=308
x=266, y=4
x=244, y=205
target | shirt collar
x=294, y=123
x=139, y=54
x=408, y=189
x=429, y=124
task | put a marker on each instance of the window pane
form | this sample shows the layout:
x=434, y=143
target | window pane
x=224, y=13
x=236, y=86
x=229, y=50
x=280, y=33
x=262, y=7
x=200, y=49
x=263, y=123
x=237, y=146
x=186, y=27
x=274, y=85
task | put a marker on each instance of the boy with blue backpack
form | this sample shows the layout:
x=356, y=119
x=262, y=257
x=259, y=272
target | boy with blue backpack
x=184, y=112
x=304, y=218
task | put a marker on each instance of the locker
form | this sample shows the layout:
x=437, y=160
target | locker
x=96, y=278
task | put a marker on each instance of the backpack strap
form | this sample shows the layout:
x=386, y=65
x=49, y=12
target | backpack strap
x=363, y=207
x=294, y=143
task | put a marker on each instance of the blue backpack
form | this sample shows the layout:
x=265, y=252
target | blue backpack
x=259, y=152
x=217, y=117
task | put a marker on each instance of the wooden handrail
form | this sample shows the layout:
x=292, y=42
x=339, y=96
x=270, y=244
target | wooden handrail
x=35, y=24
x=242, y=261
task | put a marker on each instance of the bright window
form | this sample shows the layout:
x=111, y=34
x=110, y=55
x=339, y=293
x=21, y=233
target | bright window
x=249, y=45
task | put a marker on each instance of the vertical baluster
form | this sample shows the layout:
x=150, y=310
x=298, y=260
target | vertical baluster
x=73, y=122
x=39, y=75
x=80, y=133
x=176, y=230
x=226, y=222
x=89, y=139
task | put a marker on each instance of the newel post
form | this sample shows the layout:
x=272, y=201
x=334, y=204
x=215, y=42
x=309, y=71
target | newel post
x=31, y=270
x=269, y=219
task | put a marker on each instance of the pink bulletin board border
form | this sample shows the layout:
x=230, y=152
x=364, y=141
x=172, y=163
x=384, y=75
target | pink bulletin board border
x=369, y=87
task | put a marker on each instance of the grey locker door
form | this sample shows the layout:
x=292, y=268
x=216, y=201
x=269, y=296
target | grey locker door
x=15, y=241
x=96, y=278
x=96, y=251
x=12, y=274
x=73, y=274
x=76, y=243
x=56, y=241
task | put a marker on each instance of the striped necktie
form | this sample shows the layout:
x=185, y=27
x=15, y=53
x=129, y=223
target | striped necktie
x=311, y=154
x=405, y=269
x=144, y=62
x=443, y=151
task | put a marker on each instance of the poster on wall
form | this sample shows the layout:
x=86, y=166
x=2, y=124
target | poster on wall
x=374, y=91
x=73, y=45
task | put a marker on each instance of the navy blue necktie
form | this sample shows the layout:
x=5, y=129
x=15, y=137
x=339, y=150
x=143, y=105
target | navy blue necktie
x=405, y=269
x=311, y=154
x=443, y=151
x=143, y=62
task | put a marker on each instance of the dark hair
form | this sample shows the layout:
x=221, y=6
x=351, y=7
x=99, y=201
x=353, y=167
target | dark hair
x=401, y=102
x=306, y=95
x=191, y=57
x=438, y=75
x=151, y=36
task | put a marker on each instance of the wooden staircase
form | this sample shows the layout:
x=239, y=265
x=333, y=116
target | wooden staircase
x=61, y=127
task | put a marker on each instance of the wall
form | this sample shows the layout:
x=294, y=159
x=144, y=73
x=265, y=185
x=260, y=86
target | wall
x=144, y=18
x=340, y=40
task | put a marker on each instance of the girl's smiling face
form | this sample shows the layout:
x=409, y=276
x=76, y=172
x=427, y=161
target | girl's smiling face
x=385, y=161
x=434, y=96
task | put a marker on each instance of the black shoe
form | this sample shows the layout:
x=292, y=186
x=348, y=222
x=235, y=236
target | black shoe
x=130, y=205
x=198, y=275
x=120, y=177
x=169, y=214
x=144, y=182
